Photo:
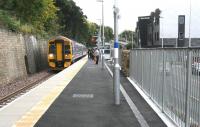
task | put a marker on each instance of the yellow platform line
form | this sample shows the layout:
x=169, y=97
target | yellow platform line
x=32, y=116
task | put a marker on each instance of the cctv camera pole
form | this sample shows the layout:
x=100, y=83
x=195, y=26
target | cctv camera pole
x=102, y=53
x=116, y=71
x=188, y=78
x=103, y=44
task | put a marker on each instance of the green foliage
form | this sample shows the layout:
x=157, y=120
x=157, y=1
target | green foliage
x=29, y=16
x=130, y=45
x=127, y=36
x=49, y=17
x=25, y=28
x=7, y=4
x=130, y=37
x=157, y=13
x=93, y=28
x=31, y=11
x=155, y=16
x=108, y=32
x=74, y=23
x=8, y=21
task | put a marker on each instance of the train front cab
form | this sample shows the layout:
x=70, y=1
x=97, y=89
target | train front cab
x=60, y=54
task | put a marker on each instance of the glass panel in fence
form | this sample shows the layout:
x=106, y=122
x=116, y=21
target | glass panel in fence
x=162, y=76
x=175, y=85
x=194, y=97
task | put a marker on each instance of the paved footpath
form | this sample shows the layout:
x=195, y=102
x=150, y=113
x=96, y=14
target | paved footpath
x=88, y=102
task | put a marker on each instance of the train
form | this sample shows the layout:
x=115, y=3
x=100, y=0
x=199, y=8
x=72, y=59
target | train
x=62, y=52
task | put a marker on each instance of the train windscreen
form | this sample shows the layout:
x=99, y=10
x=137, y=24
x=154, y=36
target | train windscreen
x=52, y=48
x=67, y=49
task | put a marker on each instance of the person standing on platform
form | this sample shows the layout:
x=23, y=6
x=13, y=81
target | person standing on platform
x=92, y=54
x=96, y=54
x=88, y=52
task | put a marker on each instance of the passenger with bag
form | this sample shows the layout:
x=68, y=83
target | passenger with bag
x=96, y=54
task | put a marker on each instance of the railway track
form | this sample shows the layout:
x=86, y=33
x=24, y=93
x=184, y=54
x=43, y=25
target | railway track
x=10, y=97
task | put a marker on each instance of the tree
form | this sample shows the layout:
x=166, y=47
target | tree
x=93, y=30
x=152, y=16
x=7, y=4
x=49, y=17
x=127, y=35
x=108, y=32
x=39, y=15
x=130, y=46
x=157, y=15
x=74, y=22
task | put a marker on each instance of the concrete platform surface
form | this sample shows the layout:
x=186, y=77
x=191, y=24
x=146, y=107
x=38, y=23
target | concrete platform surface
x=88, y=102
x=28, y=108
x=80, y=96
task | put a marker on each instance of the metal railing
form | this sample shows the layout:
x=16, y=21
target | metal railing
x=170, y=77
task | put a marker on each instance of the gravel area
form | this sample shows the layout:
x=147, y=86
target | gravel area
x=7, y=89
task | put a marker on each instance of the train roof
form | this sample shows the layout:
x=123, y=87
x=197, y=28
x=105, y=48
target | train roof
x=65, y=39
x=60, y=38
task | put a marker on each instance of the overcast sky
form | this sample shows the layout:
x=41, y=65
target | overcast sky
x=131, y=9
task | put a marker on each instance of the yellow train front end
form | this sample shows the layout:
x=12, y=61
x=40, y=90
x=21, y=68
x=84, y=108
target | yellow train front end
x=59, y=53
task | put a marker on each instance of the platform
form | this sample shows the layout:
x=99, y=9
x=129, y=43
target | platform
x=81, y=96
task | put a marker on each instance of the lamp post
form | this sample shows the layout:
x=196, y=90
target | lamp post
x=162, y=31
x=99, y=34
x=188, y=78
x=102, y=31
x=116, y=71
x=132, y=40
x=189, y=45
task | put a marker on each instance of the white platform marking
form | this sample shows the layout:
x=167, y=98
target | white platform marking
x=136, y=112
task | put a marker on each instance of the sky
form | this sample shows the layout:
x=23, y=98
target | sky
x=130, y=10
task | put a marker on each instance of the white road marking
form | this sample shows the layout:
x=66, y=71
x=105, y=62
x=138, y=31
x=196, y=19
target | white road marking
x=83, y=95
x=163, y=116
x=134, y=109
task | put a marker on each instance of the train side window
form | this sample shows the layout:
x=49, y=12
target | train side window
x=52, y=48
x=67, y=49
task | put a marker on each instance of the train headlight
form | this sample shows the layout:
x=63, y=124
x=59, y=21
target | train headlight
x=51, y=56
x=66, y=56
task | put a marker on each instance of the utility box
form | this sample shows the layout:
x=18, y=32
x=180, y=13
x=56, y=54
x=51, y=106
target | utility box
x=181, y=31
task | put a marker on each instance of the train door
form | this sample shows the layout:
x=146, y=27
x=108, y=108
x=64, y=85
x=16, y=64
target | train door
x=68, y=54
x=59, y=51
x=59, y=54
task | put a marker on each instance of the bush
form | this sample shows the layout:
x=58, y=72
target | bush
x=26, y=28
x=36, y=17
x=9, y=22
x=129, y=45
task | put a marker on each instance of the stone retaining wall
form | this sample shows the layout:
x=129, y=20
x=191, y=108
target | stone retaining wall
x=20, y=55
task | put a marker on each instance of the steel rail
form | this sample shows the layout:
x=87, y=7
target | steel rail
x=23, y=89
